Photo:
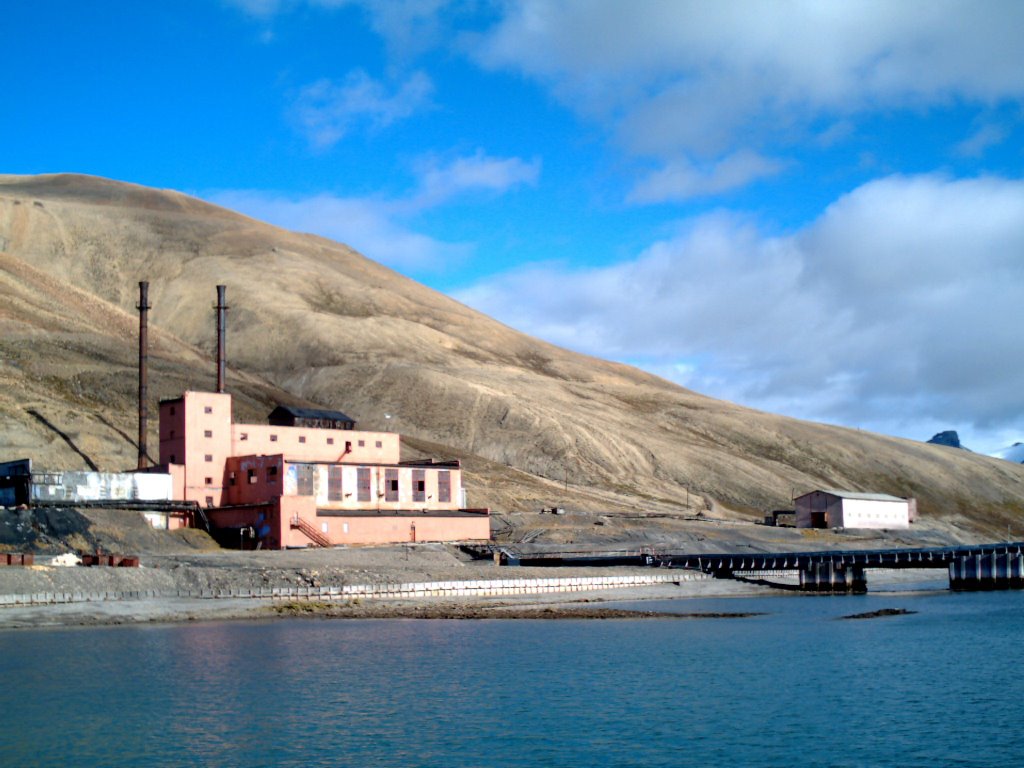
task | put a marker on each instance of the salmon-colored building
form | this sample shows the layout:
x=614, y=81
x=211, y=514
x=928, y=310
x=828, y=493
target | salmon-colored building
x=308, y=478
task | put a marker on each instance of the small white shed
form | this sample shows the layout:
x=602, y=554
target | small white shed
x=847, y=509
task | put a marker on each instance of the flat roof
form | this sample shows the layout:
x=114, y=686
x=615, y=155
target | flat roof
x=453, y=464
x=312, y=413
x=855, y=495
x=408, y=513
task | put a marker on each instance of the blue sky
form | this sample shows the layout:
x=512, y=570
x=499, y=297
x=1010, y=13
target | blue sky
x=813, y=208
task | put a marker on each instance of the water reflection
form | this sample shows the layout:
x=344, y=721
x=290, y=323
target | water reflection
x=756, y=691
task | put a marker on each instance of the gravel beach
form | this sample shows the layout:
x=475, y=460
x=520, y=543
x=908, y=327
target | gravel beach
x=224, y=572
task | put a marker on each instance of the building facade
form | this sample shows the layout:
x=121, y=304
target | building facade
x=152, y=493
x=847, y=509
x=295, y=483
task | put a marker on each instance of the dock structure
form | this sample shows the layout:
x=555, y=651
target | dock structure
x=972, y=567
x=995, y=570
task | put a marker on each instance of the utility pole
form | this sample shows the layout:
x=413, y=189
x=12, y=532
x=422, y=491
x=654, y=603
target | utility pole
x=143, y=306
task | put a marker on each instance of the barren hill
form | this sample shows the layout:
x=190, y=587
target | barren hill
x=313, y=321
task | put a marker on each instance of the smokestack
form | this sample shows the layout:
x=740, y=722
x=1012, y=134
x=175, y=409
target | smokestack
x=143, y=307
x=222, y=313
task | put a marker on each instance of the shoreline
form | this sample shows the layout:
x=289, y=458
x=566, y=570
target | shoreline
x=425, y=581
x=574, y=605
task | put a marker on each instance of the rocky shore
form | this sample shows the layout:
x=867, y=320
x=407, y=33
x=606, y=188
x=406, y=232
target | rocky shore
x=183, y=576
x=209, y=579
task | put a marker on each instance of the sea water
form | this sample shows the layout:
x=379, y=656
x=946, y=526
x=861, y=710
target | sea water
x=796, y=685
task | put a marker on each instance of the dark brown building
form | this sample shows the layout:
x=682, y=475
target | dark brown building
x=289, y=416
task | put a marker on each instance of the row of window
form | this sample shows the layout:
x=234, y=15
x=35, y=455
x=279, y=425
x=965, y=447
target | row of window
x=208, y=433
x=302, y=439
x=206, y=409
x=305, y=485
x=251, y=476
x=209, y=456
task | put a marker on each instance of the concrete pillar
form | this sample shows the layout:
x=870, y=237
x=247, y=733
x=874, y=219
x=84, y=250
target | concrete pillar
x=986, y=572
x=827, y=577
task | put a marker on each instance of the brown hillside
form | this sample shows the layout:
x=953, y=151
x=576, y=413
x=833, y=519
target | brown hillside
x=318, y=321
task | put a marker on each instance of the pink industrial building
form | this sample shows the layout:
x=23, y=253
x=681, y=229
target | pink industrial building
x=308, y=478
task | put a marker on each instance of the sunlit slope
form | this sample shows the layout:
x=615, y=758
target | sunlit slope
x=326, y=324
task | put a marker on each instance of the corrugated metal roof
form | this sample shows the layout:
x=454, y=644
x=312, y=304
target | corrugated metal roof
x=312, y=413
x=862, y=496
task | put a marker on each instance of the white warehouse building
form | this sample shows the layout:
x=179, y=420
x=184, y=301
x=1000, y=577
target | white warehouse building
x=846, y=509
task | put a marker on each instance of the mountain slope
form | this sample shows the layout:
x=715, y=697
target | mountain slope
x=323, y=323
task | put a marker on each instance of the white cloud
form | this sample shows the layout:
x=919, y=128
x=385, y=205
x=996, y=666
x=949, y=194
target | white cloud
x=370, y=226
x=407, y=27
x=325, y=111
x=378, y=227
x=261, y=9
x=474, y=173
x=682, y=180
x=984, y=138
x=697, y=77
x=899, y=306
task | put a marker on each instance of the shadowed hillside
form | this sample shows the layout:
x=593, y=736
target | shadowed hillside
x=313, y=321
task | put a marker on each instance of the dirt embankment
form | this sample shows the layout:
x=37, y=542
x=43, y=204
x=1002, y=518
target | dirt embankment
x=189, y=561
x=55, y=530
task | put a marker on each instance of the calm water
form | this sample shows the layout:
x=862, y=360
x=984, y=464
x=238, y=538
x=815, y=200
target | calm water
x=793, y=687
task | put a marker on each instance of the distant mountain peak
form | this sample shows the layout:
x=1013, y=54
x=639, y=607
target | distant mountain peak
x=949, y=438
x=1014, y=453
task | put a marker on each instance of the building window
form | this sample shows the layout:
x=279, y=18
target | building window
x=304, y=479
x=172, y=410
x=363, y=483
x=362, y=443
x=419, y=485
x=244, y=436
x=272, y=474
x=209, y=480
x=334, y=490
x=251, y=475
x=171, y=434
x=231, y=478
x=207, y=433
x=380, y=444
x=302, y=438
x=208, y=457
x=209, y=501
x=330, y=441
x=208, y=409
x=173, y=460
x=273, y=438
x=390, y=485
x=444, y=486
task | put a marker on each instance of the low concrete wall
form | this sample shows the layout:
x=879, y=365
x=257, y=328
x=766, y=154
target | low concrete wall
x=481, y=588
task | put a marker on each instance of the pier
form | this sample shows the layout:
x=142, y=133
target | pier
x=970, y=568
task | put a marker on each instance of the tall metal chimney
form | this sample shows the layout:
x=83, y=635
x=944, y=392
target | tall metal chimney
x=222, y=313
x=143, y=307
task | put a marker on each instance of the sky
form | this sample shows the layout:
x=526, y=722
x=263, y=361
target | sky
x=810, y=208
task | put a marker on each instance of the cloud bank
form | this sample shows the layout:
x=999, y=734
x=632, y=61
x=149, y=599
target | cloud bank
x=693, y=75
x=384, y=228
x=899, y=304
x=325, y=110
x=713, y=91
